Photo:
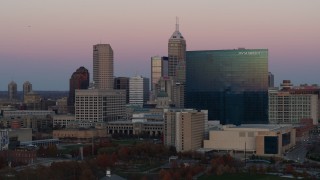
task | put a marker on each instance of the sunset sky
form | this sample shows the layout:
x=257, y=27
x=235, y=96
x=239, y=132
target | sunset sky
x=44, y=42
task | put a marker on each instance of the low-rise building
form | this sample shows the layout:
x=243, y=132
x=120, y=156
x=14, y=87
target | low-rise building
x=135, y=127
x=64, y=120
x=79, y=135
x=259, y=139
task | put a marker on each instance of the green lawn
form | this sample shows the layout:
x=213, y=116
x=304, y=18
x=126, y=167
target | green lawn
x=241, y=176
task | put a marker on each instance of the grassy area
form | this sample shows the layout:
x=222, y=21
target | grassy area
x=242, y=176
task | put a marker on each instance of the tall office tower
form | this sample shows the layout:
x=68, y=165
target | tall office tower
x=231, y=84
x=286, y=108
x=103, y=66
x=270, y=80
x=12, y=91
x=177, y=66
x=159, y=68
x=138, y=90
x=94, y=106
x=122, y=83
x=176, y=51
x=184, y=128
x=79, y=80
x=27, y=87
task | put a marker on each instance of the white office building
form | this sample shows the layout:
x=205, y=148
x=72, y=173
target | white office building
x=97, y=106
x=286, y=108
x=138, y=90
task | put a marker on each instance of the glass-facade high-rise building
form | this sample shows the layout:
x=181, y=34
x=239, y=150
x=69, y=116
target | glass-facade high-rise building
x=122, y=83
x=159, y=68
x=231, y=84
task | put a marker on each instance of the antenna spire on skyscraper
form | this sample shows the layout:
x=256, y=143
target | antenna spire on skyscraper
x=177, y=24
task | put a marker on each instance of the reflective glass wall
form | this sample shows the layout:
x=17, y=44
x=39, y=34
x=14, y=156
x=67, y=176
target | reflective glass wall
x=231, y=84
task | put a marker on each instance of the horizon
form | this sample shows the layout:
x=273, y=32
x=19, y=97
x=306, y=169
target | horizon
x=45, y=42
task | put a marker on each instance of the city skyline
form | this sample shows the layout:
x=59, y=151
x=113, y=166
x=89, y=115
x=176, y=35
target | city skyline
x=46, y=41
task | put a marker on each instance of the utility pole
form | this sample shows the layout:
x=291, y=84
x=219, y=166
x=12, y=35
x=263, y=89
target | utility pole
x=245, y=154
x=92, y=145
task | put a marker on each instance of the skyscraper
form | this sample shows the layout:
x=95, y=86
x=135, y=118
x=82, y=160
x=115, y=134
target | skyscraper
x=231, y=84
x=103, y=66
x=270, y=80
x=122, y=83
x=159, y=68
x=138, y=90
x=27, y=87
x=176, y=51
x=12, y=91
x=79, y=80
x=177, y=66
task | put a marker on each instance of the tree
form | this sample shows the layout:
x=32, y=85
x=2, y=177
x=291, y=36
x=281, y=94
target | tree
x=104, y=160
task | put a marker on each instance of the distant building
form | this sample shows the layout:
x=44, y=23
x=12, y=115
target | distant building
x=64, y=120
x=103, y=66
x=177, y=66
x=138, y=90
x=79, y=80
x=259, y=139
x=27, y=87
x=231, y=84
x=132, y=127
x=12, y=91
x=270, y=80
x=35, y=119
x=122, y=83
x=99, y=106
x=62, y=105
x=79, y=135
x=304, y=129
x=302, y=89
x=4, y=139
x=33, y=101
x=20, y=156
x=286, y=108
x=176, y=51
x=184, y=128
x=159, y=68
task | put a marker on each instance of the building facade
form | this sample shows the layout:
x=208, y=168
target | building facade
x=122, y=83
x=270, y=80
x=176, y=51
x=259, y=139
x=231, y=84
x=64, y=120
x=103, y=66
x=35, y=119
x=159, y=68
x=138, y=90
x=79, y=80
x=98, y=106
x=177, y=66
x=184, y=128
x=27, y=87
x=143, y=128
x=286, y=108
x=12, y=91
